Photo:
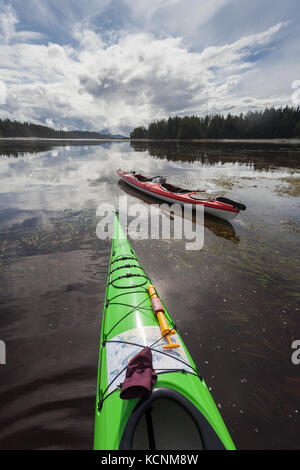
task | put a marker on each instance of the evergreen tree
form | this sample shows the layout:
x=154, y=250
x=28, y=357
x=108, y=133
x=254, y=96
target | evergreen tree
x=268, y=124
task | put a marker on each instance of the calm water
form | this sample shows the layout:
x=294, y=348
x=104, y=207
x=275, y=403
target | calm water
x=236, y=301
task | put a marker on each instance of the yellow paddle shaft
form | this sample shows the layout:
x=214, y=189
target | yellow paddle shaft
x=158, y=311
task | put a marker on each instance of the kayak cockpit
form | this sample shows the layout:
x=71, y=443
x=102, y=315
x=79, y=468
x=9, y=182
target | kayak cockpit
x=174, y=189
x=167, y=420
x=144, y=179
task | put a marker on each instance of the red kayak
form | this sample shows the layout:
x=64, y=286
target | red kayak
x=159, y=188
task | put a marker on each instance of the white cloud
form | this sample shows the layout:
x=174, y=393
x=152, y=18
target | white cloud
x=8, y=20
x=8, y=33
x=183, y=17
x=96, y=84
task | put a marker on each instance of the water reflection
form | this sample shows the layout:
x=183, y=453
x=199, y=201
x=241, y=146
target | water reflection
x=21, y=147
x=260, y=156
x=236, y=301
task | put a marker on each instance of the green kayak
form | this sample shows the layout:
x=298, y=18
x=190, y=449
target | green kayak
x=179, y=413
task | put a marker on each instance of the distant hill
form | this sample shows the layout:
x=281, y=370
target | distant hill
x=10, y=128
x=114, y=136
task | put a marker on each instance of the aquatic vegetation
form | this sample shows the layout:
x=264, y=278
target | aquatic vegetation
x=291, y=226
x=66, y=231
x=225, y=183
x=291, y=188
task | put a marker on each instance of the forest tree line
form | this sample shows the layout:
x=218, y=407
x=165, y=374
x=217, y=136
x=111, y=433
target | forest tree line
x=10, y=128
x=268, y=124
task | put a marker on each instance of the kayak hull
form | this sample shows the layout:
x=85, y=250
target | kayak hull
x=128, y=324
x=211, y=207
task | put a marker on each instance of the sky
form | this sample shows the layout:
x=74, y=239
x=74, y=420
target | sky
x=118, y=64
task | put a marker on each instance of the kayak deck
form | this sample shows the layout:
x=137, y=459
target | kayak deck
x=128, y=325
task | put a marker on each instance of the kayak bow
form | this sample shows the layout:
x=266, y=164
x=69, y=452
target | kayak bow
x=180, y=412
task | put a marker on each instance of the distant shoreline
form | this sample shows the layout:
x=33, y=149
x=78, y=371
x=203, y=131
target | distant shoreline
x=56, y=139
x=127, y=139
x=266, y=141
